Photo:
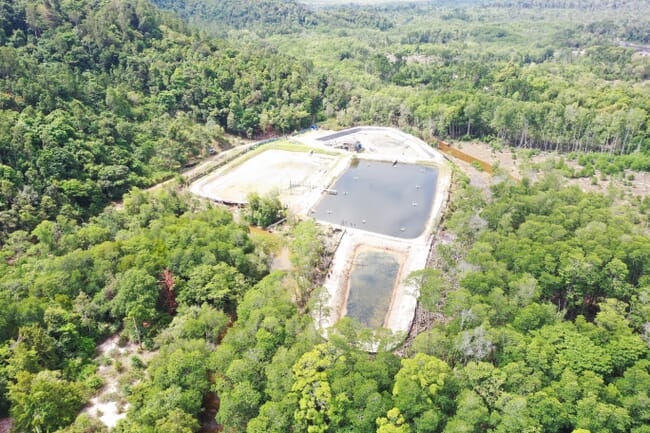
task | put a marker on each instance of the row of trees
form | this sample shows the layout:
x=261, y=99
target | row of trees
x=525, y=105
x=568, y=82
x=268, y=17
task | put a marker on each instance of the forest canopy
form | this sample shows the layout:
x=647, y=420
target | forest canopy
x=98, y=98
x=539, y=295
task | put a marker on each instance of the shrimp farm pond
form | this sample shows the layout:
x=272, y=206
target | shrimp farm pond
x=372, y=280
x=393, y=199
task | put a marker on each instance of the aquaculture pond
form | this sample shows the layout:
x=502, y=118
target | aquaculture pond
x=381, y=197
x=372, y=279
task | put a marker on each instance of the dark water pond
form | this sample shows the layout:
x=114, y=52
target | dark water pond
x=382, y=198
x=371, y=284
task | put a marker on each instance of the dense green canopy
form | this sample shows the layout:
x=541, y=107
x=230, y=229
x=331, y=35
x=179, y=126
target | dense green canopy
x=539, y=294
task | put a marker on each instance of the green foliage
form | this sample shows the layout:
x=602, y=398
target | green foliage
x=306, y=250
x=542, y=297
x=178, y=379
x=393, y=423
x=418, y=388
x=316, y=408
x=525, y=77
x=177, y=421
x=264, y=211
x=44, y=401
x=85, y=424
x=99, y=97
x=432, y=287
x=266, y=16
x=68, y=293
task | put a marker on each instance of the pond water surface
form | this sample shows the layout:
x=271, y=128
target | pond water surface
x=381, y=197
x=372, y=280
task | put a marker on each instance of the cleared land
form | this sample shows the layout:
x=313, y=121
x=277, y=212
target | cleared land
x=299, y=172
x=377, y=142
x=384, y=144
x=294, y=175
x=517, y=164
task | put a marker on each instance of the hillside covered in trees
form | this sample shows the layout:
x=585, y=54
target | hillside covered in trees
x=219, y=16
x=540, y=292
x=96, y=98
x=568, y=76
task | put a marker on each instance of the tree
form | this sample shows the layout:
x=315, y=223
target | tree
x=182, y=364
x=44, y=402
x=419, y=386
x=38, y=349
x=432, y=288
x=219, y=285
x=177, y=421
x=264, y=210
x=635, y=389
x=136, y=294
x=85, y=423
x=534, y=316
x=306, y=250
x=556, y=347
x=471, y=414
x=598, y=416
x=240, y=405
x=393, y=423
x=204, y=322
x=316, y=408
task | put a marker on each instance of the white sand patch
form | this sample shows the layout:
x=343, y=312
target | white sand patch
x=294, y=175
x=5, y=425
x=100, y=406
x=108, y=405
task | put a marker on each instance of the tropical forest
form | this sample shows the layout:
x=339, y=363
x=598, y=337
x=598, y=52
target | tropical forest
x=130, y=304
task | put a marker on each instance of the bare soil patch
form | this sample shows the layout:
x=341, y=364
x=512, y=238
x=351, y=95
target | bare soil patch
x=5, y=425
x=291, y=174
x=117, y=369
x=518, y=163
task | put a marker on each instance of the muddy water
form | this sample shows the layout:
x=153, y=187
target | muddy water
x=381, y=197
x=456, y=153
x=258, y=231
x=371, y=284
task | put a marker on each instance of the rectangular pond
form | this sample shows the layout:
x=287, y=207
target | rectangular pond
x=371, y=283
x=381, y=197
